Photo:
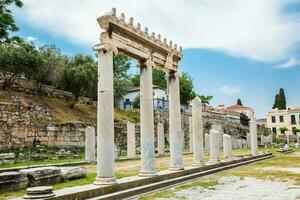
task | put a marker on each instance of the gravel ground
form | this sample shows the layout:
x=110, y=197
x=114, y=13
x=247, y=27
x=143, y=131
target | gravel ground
x=234, y=188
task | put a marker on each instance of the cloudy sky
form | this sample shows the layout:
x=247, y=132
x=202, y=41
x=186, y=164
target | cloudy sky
x=231, y=48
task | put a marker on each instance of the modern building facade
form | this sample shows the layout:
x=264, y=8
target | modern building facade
x=289, y=119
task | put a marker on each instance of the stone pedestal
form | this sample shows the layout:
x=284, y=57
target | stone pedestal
x=42, y=192
x=160, y=139
x=131, y=140
x=191, y=134
x=147, y=120
x=214, y=147
x=253, y=134
x=207, y=142
x=197, y=122
x=227, y=147
x=105, y=119
x=175, y=130
x=90, y=144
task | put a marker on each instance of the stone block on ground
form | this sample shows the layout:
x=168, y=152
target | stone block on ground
x=12, y=181
x=42, y=175
x=7, y=158
x=68, y=173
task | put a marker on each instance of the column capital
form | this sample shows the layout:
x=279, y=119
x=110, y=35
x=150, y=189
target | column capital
x=147, y=63
x=105, y=47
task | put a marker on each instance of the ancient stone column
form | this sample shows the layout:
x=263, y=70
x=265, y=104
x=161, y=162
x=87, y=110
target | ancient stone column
x=253, y=135
x=105, y=118
x=220, y=137
x=147, y=120
x=175, y=130
x=227, y=147
x=191, y=134
x=214, y=147
x=197, y=122
x=248, y=138
x=131, y=140
x=207, y=142
x=160, y=139
x=90, y=144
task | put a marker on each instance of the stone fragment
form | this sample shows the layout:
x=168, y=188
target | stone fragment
x=43, y=192
x=12, y=181
x=42, y=175
x=90, y=144
x=68, y=173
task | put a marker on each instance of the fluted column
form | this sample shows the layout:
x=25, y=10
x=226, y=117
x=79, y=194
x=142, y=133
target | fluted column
x=197, y=122
x=175, y=130
x=253, y=135
x=105, y=119
x=147, y=120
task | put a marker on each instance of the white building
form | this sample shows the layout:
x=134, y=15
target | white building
x=159, y=97
x=288, y=118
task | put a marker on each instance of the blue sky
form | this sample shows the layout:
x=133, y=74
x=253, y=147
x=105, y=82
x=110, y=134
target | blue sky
x=231, y=49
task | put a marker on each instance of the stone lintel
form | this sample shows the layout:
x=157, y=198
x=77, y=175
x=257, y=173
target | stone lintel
x=132, y=41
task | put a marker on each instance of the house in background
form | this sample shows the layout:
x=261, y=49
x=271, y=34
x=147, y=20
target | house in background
x=160, y=98
x=288, y=118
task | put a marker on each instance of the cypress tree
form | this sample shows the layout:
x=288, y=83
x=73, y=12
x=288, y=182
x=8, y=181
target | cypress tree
x=239, y=102
x=275, y=105
x=281, y=100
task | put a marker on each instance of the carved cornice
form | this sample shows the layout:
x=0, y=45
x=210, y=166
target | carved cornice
x=110, y=21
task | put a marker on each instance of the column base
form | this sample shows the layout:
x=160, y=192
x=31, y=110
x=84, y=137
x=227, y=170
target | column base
x=176, y=168
x=198, y=164
x=105, y=181
x=212, y=162
x=147, y=173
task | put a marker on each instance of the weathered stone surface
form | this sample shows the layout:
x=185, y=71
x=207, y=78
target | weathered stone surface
x=12, y=180
x=42, y=192
x=7, y=158
x=42, y=175
x=68, y=173
x=90, y=144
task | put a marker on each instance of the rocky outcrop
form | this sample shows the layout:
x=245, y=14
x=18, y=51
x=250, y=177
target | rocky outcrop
x=12, y=181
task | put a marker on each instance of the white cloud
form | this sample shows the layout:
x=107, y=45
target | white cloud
x=292, y=62
x=255, y=29
x=31, y=39
x=229, y=90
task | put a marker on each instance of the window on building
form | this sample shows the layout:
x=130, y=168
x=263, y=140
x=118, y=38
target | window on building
x=274, y=130
x=281, y=119
x=293, y=119
x=273, y=119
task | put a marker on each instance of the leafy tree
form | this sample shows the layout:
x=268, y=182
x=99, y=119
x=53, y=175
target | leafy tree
x=205, y=99
x=79, y=76
x=7, y=22
x=158, y=77
x=186, y=89
x=17, y=60
x=283, y=129
x=122, y=82
x=239, y=102
x=51, y=71
x=136, y=102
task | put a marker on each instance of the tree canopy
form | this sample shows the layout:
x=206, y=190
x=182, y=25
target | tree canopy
x=7, y=22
